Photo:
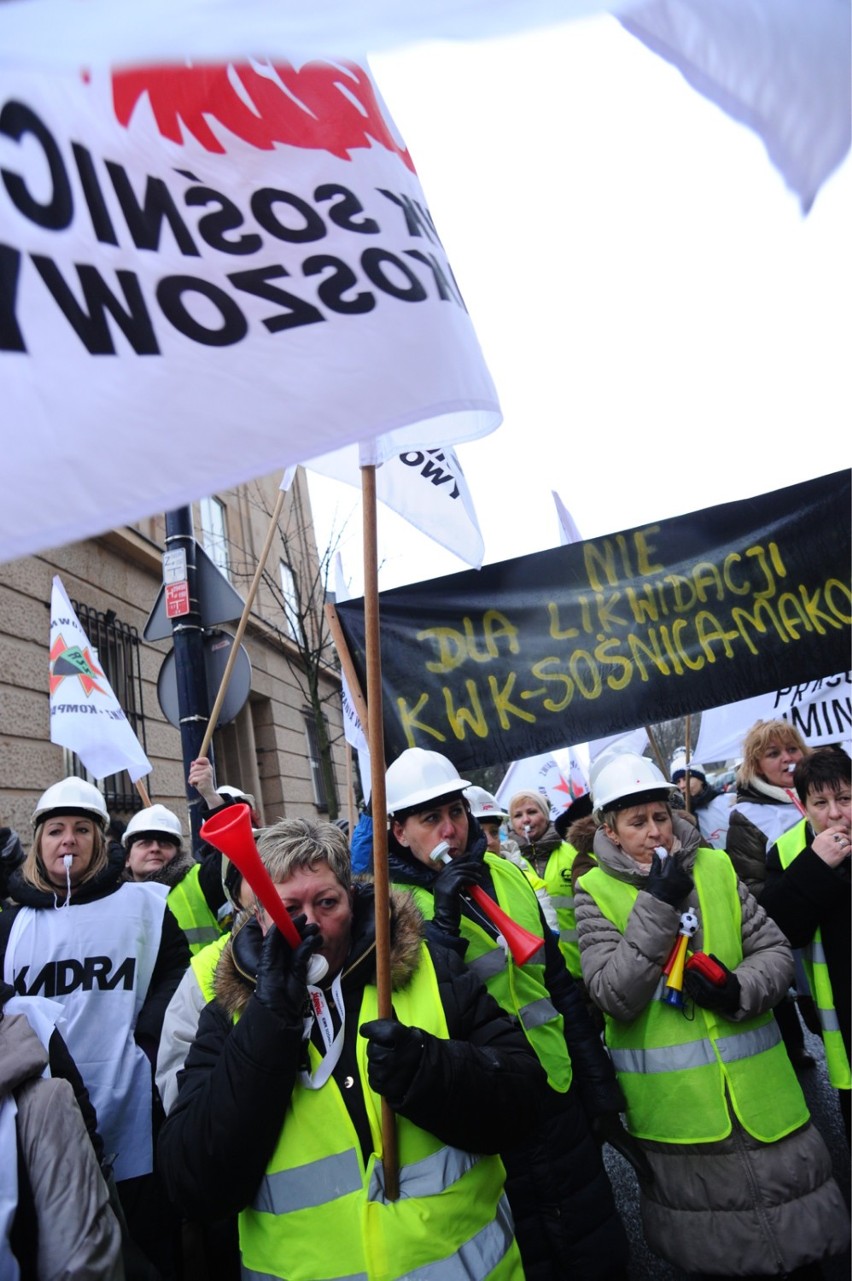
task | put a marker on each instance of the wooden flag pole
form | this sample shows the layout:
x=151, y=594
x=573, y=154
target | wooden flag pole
x=655, y=748
x=333, y=620
x=243, y=623
x=143, y=792
x=350, y=795
x=686, y=796
x=378, y=801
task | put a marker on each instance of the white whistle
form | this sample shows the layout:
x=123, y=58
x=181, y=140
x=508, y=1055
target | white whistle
x=441, y=853
x=317, y=968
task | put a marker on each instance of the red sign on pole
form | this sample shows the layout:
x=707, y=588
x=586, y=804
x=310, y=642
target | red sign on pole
x=177, y=599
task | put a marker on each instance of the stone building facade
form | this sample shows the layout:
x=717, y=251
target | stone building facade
x=271, y=748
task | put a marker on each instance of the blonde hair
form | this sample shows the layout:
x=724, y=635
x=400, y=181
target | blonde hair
x=762, y=736
x=33, y=869
x=296, y=843
x=539, y=800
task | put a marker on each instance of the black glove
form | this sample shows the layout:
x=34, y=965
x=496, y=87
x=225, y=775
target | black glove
x=449, y=884
x=667, y=881
x=282, y=972
x=393, y=1056
x=725, y=998
x=607, y=1128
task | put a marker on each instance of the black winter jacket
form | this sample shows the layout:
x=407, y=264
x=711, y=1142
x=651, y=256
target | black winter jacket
x=808, y=896
x=481, y=1088
x=565, y=1217
x=593, y=1072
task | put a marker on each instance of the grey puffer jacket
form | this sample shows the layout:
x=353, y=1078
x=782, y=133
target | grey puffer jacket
x=64, y=1228
x=622, y=973
x=737, y=1207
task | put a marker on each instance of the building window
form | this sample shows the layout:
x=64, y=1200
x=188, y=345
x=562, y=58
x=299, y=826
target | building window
x=315, y=761
x=117, y=651
x=292, y=622
x=214, y=534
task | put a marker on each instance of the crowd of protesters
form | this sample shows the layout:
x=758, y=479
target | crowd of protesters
x=190, y=1090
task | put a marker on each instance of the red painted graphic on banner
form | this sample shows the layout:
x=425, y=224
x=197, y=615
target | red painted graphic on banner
x=326, y=106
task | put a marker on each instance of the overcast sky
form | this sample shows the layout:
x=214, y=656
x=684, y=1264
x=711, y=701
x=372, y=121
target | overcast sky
x=665, y=329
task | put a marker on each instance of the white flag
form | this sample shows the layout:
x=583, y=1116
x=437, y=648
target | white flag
x=85, y=715
x=325, y=313
x=427, y=487
x=568, y=531
x=542, y=774
x=353, y=730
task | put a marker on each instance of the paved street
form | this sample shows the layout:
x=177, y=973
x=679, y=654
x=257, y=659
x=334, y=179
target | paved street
x=646, y=1266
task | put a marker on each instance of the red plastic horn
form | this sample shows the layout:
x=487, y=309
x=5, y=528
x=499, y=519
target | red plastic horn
x=519, y=941
x=229, y=830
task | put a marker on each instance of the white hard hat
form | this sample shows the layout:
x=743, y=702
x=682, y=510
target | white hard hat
x=483, y=804
x=236, y=793
x=679, y=766
x=418, y=776
x=72, y=796
x=156, y=820
x=626, y=777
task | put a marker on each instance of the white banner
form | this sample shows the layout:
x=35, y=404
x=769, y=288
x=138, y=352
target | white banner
x=85, y=715
x=821, y=711
x=208, y=273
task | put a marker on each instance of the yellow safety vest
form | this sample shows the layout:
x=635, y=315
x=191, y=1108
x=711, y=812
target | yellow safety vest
x=519, y=989
x=319, y=1213
x=204, y=964
x=790, y=846
x=190, y=908
x=682, y=1070
x=557, y=881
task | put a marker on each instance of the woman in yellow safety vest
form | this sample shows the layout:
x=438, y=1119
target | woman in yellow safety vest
x=742, y=1182
x=153, y=844
x=552, y=858
x=807, y=894
x=565, y=1216
x=278, y=1118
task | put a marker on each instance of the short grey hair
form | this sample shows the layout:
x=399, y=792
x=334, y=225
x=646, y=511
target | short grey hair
x=296, y=843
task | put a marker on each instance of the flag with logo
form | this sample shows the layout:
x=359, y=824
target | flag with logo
x=85, y=715
x=546, y=776
x=240, y=248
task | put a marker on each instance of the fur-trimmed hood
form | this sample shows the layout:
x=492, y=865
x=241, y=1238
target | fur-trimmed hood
x=581, y=834
x=236, y=971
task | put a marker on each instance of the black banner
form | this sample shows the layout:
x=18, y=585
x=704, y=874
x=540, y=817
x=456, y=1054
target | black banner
x=641, y=626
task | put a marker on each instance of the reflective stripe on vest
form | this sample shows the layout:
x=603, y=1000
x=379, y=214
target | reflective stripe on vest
x=677, y=1058
x=789, y=847
x=489, y=964
x=683, y=1070
x=519, y=989
x=482, y=1256
x=192, y=912
x=320, y=1214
